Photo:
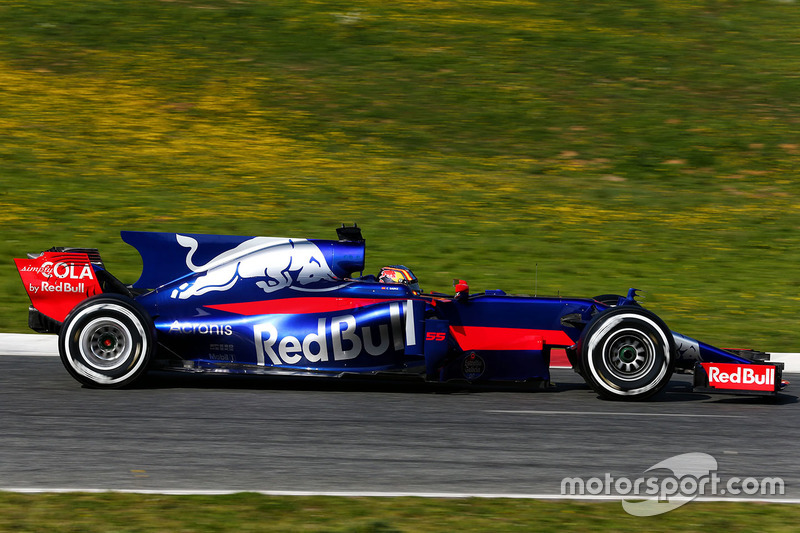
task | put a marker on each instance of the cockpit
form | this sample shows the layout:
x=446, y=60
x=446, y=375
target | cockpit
x=399, y=274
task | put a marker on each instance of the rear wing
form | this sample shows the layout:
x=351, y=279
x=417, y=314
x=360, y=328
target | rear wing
x=56, y=281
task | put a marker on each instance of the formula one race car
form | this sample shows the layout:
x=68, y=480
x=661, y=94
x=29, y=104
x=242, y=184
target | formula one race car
x=298, y=307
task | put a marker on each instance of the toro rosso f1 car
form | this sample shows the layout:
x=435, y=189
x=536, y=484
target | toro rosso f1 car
x=266, y=305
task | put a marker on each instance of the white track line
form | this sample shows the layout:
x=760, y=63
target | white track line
x=29, y=344
x=376, y=494
x=607, y=413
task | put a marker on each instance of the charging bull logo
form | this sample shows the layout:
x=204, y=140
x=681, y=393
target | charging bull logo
x=276, y=263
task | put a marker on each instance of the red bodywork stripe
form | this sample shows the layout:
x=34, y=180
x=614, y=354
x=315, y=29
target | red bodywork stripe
x=468, y=337
x=299, y=306
x=488, y=338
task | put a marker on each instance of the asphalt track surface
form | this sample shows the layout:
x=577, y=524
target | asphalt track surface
x=188, y=433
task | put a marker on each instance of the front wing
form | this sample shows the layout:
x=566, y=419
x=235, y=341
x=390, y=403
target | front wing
x=754, y=378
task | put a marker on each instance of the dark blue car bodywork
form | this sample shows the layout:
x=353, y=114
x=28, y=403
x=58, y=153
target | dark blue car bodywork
x=301, y=307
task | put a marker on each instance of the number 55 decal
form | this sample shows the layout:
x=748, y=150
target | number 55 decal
x=435, y=336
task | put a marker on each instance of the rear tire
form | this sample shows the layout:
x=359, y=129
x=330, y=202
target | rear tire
x=107, y=341
x=627, y=353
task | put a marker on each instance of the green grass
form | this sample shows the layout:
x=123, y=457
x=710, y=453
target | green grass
x=594, y=146
x=604, y=145
x=252, y=512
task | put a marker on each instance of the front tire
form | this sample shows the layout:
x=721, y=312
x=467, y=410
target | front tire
x=107, y=341
x=627, y=353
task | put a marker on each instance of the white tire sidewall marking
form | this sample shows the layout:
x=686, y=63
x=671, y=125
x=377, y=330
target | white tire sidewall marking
x=138, y=356
x=600, y=333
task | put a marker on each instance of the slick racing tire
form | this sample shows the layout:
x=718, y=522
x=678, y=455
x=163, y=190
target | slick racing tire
x=626, y=353
x=107, y=341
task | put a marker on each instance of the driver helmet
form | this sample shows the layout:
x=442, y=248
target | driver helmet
x=399, y=274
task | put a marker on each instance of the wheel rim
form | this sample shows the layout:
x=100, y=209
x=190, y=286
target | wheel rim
x=105, y=343
x=629, y=354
